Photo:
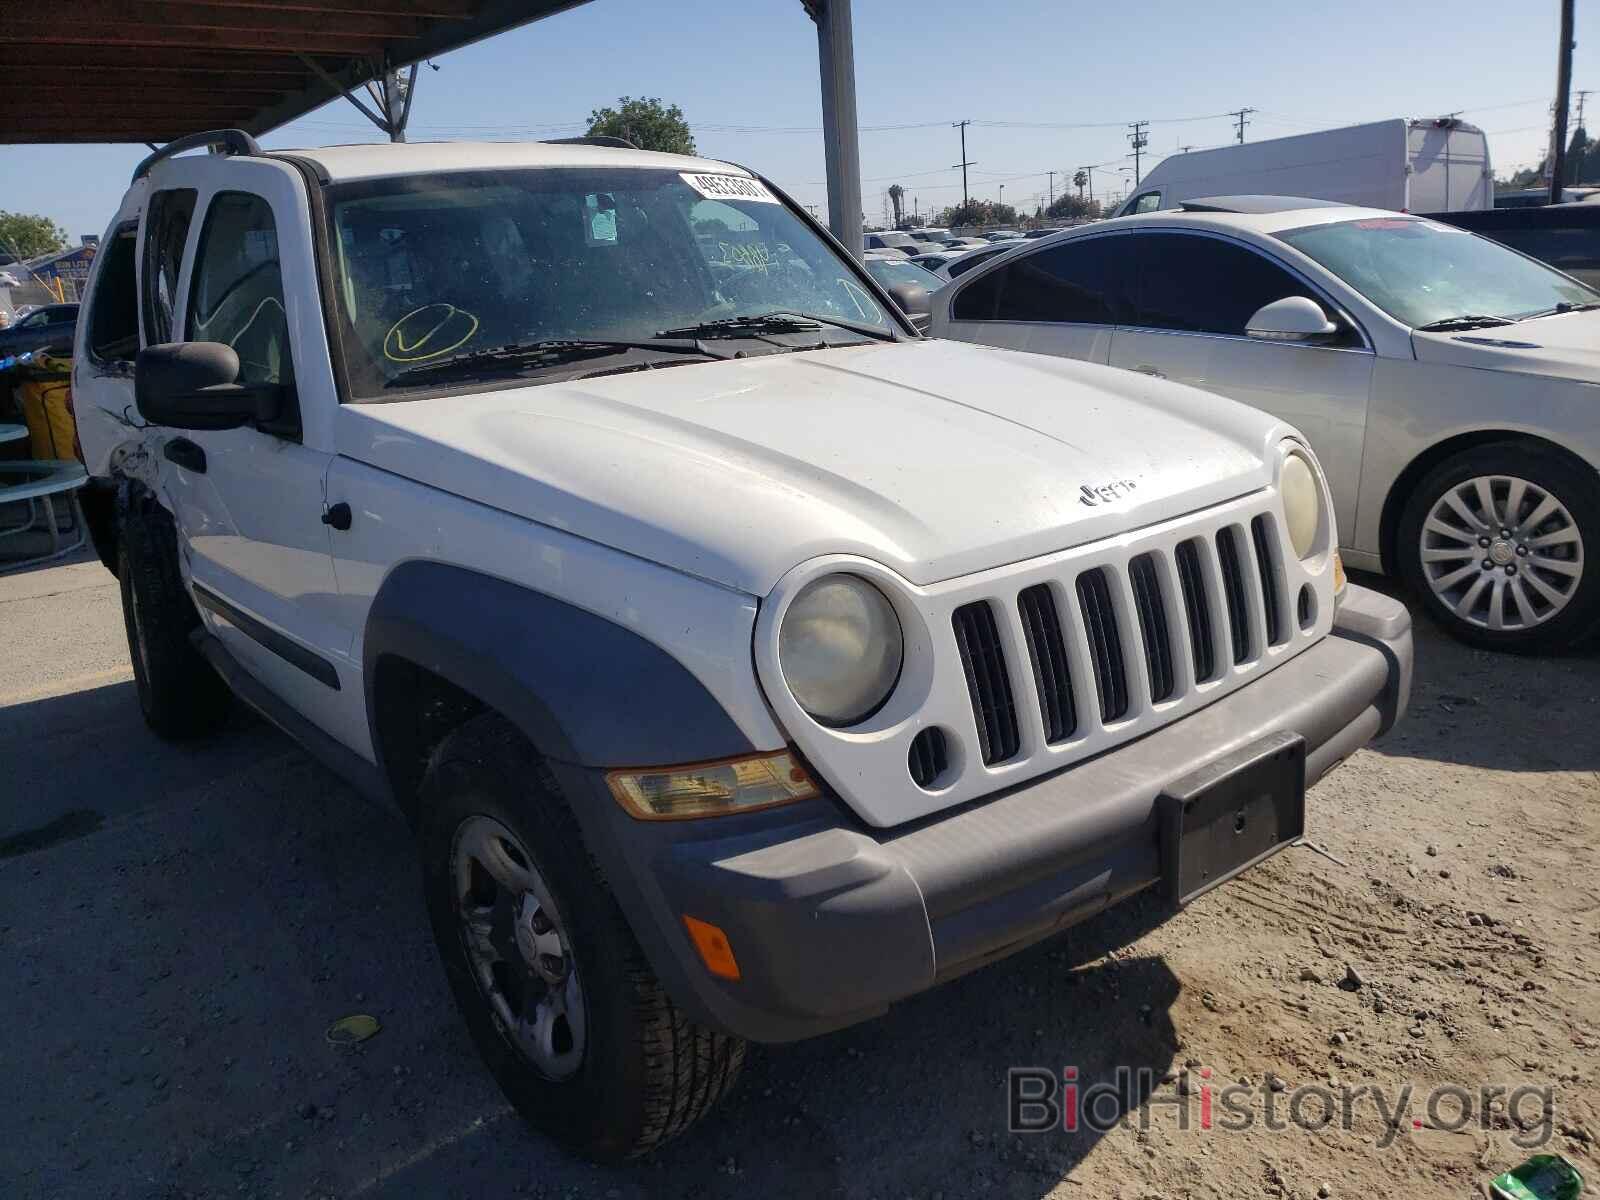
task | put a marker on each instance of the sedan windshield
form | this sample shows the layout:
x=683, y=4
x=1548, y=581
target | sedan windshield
x=455, y=271
x=888, y=272
x=1422, y=273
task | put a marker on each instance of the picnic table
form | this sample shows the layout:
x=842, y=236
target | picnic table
x=38, y=483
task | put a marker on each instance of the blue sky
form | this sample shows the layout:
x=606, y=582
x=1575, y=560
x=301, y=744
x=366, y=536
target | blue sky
x=746, y=77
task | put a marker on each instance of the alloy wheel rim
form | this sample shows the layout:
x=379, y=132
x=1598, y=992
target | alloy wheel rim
x=1502, y=553
x=518, y=947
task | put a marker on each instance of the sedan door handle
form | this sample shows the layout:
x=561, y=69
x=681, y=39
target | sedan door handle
x=1148, y=370
x=185, y=454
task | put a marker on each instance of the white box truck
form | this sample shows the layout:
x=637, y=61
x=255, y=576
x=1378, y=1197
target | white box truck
x=1437, y=164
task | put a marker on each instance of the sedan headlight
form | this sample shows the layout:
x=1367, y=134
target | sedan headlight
x=1302, y=502
x=840, y=649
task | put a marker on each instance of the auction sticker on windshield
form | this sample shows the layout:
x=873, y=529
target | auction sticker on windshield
x=729, y=187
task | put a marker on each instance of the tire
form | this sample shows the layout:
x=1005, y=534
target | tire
x=1546, y=573
x=180, y=695
x=632, y=1072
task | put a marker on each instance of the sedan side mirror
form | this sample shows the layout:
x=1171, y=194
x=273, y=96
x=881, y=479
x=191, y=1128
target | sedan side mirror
x=911, y=297
x=195, y=385
x=1292, y=319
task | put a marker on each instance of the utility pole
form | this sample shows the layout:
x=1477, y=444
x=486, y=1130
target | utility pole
x=1558, y=152
x=1583, y=158
x=1140, y=140
x=1240, y=114
x=964, y=163
x=1002, y=195
x=1052, y=176
x=1088, y=174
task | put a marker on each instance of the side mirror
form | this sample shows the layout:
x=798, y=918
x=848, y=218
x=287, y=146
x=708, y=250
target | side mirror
x=911, y=297
x=1292, y=319
x=195, y=385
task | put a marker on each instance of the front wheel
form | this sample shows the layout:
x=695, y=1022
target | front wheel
x=564, y=1009
x=1502, y=543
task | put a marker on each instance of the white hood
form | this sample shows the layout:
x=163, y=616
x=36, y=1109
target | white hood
x=1567, y=346
x=934, y=458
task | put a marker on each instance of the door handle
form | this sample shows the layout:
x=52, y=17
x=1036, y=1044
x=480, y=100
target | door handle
x=337, y=516
x=185, y=454
x=1147, y=370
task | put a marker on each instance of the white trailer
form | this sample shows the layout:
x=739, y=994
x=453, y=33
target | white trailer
x=1437, y=164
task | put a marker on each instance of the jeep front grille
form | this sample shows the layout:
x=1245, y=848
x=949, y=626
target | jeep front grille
x=1129, y=620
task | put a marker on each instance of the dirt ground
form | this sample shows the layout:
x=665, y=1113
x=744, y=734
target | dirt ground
x=179, y=926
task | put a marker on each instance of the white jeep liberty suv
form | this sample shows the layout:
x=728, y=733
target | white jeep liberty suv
x=744, y=662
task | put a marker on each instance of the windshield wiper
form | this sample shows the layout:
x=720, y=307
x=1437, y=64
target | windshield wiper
x=1566, y=306
x=772, y=322
x=1465, y=321
x=550, y=352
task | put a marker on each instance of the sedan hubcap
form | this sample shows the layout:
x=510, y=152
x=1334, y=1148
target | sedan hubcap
x=517, y=945
x=1502, y=553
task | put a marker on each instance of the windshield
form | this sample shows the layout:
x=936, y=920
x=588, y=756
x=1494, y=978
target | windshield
x=433, y=268
x=1419, y=272
x=889, y=273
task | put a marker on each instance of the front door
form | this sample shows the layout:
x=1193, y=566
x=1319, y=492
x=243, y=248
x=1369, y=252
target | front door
x=249, y=501
x=1192, y=296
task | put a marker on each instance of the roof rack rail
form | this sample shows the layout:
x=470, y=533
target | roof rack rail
x=232, y=141
x=597, y=139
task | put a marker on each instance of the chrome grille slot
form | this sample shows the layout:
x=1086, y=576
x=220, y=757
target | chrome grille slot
x=1267, y=565
x=984, y=663
x=1197, y=607
x=1105, y=644
x=1231, y=562
x=1047, y=651
x=1145, y=578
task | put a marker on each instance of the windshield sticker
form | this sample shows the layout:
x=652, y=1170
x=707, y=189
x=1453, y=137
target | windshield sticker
x=729, y=187
x=600, y=219
x=428, y=332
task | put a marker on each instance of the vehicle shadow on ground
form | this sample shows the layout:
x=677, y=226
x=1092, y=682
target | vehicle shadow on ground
x=1479, y=708
x=171, y=972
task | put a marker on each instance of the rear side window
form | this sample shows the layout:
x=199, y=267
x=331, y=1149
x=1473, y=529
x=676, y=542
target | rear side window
x=1081, y=282
x=166, y=228
x=1202, y=285
x=1148, y=202
x=236, y=296
x=114, y=306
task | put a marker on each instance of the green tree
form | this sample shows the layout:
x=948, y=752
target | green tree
x=979, y=212
x=645, y=123
x=1070, y=207
x=26, y=235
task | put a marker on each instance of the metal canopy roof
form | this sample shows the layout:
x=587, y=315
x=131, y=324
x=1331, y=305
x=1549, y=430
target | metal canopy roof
x=154, y=70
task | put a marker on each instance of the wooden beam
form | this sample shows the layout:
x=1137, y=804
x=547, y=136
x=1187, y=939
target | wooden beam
x=160, y=109
x=38, y=39
x=426, y=9
x=132, y=87
x=112, y=21
x=99, y=59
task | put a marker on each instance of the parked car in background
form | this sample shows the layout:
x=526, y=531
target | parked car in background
x=931, y=235
x=1567, y=236
x=1540, y=197
x=743, y=663
x=1437, y=164
x=49, y=327
x=949, y=266
x=1002, y=235
x=1448, y=383
x=908, y=283
x=1035, y=234
x=967, y=243
x=892, y=239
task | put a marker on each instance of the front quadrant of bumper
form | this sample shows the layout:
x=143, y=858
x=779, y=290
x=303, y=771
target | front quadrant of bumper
x=832, y=921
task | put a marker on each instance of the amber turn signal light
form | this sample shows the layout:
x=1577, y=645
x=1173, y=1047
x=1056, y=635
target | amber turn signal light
x=713, y=946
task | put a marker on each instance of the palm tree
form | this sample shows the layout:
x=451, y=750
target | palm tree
x=896, y=196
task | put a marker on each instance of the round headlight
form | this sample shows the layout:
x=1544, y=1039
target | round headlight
x=840, y=649
x=1302, y=502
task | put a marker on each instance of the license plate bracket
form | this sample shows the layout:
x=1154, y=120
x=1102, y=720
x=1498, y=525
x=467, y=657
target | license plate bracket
x=1231, y=814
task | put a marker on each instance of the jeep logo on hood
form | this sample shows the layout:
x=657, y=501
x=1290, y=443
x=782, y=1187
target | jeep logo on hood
x=1105, y=493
